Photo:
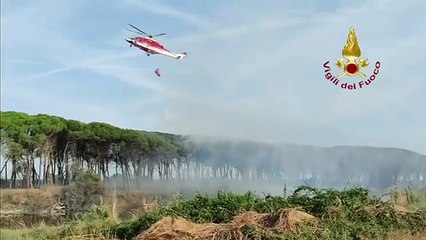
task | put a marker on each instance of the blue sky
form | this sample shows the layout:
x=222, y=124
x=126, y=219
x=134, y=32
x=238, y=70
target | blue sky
x=254, y=70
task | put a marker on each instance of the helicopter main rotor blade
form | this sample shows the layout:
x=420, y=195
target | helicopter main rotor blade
x=136, y=32
x=161, y=34
x=138, y=29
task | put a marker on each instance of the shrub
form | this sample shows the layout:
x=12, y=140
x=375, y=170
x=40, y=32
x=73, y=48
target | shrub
x=85, y=190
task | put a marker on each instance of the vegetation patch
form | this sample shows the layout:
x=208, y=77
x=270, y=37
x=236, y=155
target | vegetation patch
x=85, y=191
x=307, y=213
x=348, y=214
x=26, y=199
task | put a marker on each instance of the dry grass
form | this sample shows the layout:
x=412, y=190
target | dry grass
x=290, y=220
x=123, y=204
x=179, y=228
x=252, y=217
x=406, y=236
x=13, y=199
x=408, y=200
x=170, y=228
x=128, y=204
x=24, y=231
x=14, y=234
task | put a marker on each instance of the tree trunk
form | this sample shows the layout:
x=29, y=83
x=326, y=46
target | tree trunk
x=53, y=168
x=44, y=170
x=28, y=173
x=33, y=171
x=13, y=176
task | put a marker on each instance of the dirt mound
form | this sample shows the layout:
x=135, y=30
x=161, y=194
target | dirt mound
x=170, y=228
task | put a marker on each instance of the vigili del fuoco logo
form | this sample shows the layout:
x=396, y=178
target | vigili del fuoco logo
x=352, y=66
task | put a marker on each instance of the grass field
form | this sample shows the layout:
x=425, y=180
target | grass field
x=14, y=234
x=307, y=213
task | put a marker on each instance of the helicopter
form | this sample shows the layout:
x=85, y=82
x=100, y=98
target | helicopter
x=150, y=45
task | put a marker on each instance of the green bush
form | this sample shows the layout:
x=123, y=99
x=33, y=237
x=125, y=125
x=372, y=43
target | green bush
x=85, y=190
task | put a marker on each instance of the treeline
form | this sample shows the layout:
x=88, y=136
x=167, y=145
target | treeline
x=58, y=145
x=43, y=150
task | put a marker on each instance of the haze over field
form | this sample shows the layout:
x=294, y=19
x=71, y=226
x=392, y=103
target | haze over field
x=162, y=162
x=254, y=70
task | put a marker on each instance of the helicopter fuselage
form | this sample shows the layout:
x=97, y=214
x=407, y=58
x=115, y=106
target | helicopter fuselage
x=151, y=46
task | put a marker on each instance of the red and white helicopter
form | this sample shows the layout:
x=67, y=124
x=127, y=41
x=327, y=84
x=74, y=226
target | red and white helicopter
x=150, y=45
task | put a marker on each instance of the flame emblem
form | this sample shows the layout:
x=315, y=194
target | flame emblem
x=350, y=64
